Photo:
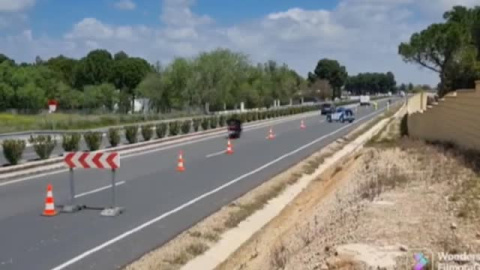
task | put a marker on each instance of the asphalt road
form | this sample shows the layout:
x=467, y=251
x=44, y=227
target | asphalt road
x=159, y=201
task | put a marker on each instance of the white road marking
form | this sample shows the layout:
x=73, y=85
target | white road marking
x=215, y=154
x=98, y=189
x=195, y=200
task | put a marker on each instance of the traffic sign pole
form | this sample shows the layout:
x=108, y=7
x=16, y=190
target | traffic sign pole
x=113, y=210
x=72, y=207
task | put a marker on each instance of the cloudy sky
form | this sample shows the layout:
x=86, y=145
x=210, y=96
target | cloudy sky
x=362, y=34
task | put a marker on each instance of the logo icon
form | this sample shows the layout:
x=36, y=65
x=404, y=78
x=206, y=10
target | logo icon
x=420, y=261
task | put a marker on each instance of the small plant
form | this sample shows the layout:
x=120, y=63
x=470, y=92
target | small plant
x=161, y=130
x=93, y=140
x=196, y=248
x=43, y=145
x=13, y=150
x=213, y=122
x=196, y=124
x=222, y=120
x=205, y=123
x=131, y=134
x=71, y=142
x=404, y=125
x=186, y=126
x=147, y=132
x=113, y=136
x=174, y=128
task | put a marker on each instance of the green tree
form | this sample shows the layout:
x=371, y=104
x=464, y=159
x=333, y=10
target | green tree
x=127, y=73
x=333, y=72
x=64, y=68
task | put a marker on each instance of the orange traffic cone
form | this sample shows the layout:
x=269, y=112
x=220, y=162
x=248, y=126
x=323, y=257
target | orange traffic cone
x=180, y=166
x=302, y=125
x=49, y=203
x=229, y=147
x=271, y=136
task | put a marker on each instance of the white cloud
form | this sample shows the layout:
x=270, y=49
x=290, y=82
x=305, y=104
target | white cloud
x=125, y=5
x=362, y=34
x=15, y=5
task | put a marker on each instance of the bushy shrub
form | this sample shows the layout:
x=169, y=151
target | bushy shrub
x=174, y=128
x=196, y=124
x=213, y=122
x=243, y=117
x=113, y=136
x=161, y=130
x=43, y=145
x=131, y=134
x=205, y=123
x=147, y=132
x=222, y=120
x=93, y=140
x=254, y=116
x=186, y=126
x=71, y=142
x=13, y=150
x=404, y=126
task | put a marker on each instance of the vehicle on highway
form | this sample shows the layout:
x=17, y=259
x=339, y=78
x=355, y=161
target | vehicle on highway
x=234, y=127
x=364, y=100
x=341, y=115
x=327, y=108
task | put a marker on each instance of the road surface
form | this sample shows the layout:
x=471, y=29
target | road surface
x=159, y=201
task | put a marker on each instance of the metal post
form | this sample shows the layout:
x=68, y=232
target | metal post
x=113, y=188
x=72, y=188
x=72, y=207
x=113, y=210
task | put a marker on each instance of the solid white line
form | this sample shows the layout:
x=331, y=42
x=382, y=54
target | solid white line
x=193, y=201
x=98, y=189
x=215, y=154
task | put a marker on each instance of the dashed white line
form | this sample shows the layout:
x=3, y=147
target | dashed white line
x=98, y=189
x=215, y=154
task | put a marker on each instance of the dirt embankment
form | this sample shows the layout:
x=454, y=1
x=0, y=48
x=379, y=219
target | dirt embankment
x=395, y=198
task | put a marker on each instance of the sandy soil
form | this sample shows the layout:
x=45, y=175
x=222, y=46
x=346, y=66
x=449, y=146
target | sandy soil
x=391, y=201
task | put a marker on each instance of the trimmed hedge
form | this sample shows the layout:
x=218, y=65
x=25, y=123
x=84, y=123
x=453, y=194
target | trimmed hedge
x=205, y=123
x=71, y=142
x=213, y=122
x=186, y=126
x=161, y=130
x=113, y=136
x=13, y=150
x=196, y=124
x=43, y=145
x=174, y=128
x=131, y=134
x=147, y=132
x=93, y=140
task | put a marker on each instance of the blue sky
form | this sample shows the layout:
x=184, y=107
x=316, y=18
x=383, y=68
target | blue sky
x=55, y=17
x=363, y=35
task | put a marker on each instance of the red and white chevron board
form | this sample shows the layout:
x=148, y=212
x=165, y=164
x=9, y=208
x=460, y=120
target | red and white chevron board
x=87, y=160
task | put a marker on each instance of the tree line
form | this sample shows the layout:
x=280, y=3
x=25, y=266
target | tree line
x=330, y=77
x=102, y=81
x=105, y=82
x=451, y=49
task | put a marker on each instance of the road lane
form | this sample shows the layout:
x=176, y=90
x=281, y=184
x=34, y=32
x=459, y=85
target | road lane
x=152, y=187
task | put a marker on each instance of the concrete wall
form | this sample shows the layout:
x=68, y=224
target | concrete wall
x=455, y=118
